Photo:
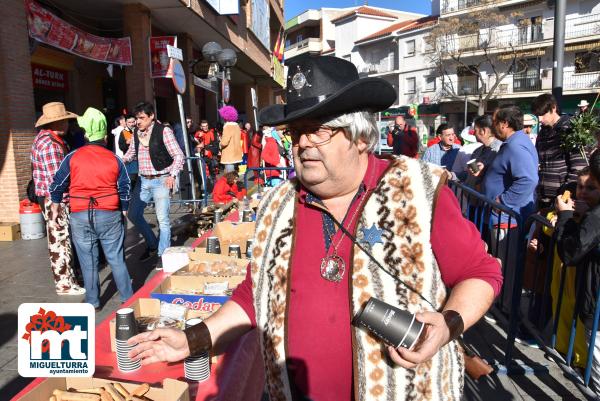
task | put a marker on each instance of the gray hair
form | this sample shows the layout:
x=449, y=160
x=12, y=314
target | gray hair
x=357, y=125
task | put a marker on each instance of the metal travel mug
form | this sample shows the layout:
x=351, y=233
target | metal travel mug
x=472, y=165
x=394, y=326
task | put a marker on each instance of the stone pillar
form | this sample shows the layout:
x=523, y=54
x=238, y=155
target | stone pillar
x=137, y=25
x=17, y=109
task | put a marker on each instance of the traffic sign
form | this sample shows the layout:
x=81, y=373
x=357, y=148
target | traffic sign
x=175, y=52
x=178, y=77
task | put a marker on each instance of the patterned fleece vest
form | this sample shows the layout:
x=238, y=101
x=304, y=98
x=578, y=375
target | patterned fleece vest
x=402, y=206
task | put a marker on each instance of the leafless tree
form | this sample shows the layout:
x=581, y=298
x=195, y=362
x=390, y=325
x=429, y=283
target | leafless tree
x=472, y=47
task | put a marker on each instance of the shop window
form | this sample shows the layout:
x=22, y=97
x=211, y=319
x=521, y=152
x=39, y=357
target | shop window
x=411, y=86
x=587, y=62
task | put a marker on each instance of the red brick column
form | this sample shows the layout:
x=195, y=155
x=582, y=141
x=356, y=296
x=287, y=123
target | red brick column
x=17, y=110
x=137, y=24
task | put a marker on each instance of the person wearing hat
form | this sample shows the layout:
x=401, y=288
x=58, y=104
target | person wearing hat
x=99, y=189
x=528, y=122
x=47, y=152
x=308, y=277
x=583, y=106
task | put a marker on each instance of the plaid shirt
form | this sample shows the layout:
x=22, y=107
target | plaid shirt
x=46, y=156
x=145, y=166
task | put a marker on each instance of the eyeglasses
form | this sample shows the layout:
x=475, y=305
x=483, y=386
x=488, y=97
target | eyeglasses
x=316, y=135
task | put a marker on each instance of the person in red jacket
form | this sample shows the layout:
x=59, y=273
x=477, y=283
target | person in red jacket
x=226, y=189
x=403, y=138
x=208, y=146
x=255, y=148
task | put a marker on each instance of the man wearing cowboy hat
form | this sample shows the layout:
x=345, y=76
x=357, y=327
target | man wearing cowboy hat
x=349, y=227
x=47, y=152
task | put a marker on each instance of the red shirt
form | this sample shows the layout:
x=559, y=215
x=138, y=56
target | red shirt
x=222, y=189
x=319, y=332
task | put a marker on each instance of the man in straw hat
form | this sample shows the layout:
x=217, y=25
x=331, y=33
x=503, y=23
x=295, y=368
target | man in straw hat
x=47, y=152
x=308, y=276
x=583, y=106
x=99, y=188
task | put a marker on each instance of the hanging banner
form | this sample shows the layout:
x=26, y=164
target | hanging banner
x=49, y=78
x=47, y=28
x=159, y=57
x=278, y=72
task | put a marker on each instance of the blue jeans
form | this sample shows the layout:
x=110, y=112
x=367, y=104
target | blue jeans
x=157, y=190
x=136, y=216
x=109, y=231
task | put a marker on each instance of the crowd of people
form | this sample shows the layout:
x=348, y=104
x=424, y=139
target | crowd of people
x=349, y=225
x=88, y=179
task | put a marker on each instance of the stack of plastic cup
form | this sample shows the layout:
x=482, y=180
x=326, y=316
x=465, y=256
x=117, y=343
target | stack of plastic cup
x=126, y=327
x=196, y=368
x=213, y=245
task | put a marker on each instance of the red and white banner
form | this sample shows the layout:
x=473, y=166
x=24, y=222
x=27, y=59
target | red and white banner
x=159, y=58
x=49, y=78
x=47, y=28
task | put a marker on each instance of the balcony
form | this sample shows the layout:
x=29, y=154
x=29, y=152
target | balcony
x=372, y=68
x=540, y=35
x=309, y=45
x=527, y=83
x=456, y=6
x=582, y=81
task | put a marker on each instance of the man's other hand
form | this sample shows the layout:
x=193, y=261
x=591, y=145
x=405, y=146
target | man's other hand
x=160, y=345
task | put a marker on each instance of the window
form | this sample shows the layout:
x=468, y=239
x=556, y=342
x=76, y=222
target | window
x=429, y=84
x=587, y=62
x=287, y=43
x=530, y=30
x=299, y=38
x=427, y=44
x=411, y=85
x=410, y=48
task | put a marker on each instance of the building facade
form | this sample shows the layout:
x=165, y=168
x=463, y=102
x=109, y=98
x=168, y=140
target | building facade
x=528, y=38
x=36, y=73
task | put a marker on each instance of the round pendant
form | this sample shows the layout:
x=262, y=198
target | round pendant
x=333, y=268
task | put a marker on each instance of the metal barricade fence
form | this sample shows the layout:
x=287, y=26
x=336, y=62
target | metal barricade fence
x=544, y=313
x=539, y=312
x=263, y=170
x=500, y=228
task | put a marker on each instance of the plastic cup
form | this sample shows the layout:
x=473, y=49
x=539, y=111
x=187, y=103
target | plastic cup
x=213, y=245
x=126, y=326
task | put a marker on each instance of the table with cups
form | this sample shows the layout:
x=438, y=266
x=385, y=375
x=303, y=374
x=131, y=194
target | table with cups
x=238, y=373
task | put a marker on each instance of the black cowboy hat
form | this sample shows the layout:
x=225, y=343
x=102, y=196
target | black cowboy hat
x=323, y=86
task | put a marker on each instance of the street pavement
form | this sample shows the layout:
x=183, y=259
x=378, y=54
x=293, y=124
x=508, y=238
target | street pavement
x=25, y=277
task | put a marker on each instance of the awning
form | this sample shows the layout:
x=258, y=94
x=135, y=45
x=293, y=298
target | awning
x=523, y=54
x=431, y=109
x=575, y=47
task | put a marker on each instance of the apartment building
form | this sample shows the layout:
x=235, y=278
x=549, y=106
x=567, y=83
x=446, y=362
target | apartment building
x=529, y=36
x=333, y=31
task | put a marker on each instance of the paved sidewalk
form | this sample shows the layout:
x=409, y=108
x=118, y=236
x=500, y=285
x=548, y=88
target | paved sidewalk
x=25, y=277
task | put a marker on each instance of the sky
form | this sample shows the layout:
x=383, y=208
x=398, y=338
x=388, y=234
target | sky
x=295, y=7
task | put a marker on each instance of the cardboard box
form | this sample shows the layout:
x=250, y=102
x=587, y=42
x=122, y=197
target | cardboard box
x=199, y=256
x=149, y=307
x=199, y=302
x=233, y=233
x=175, y=257
x=10, y=231
x=171, y=390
